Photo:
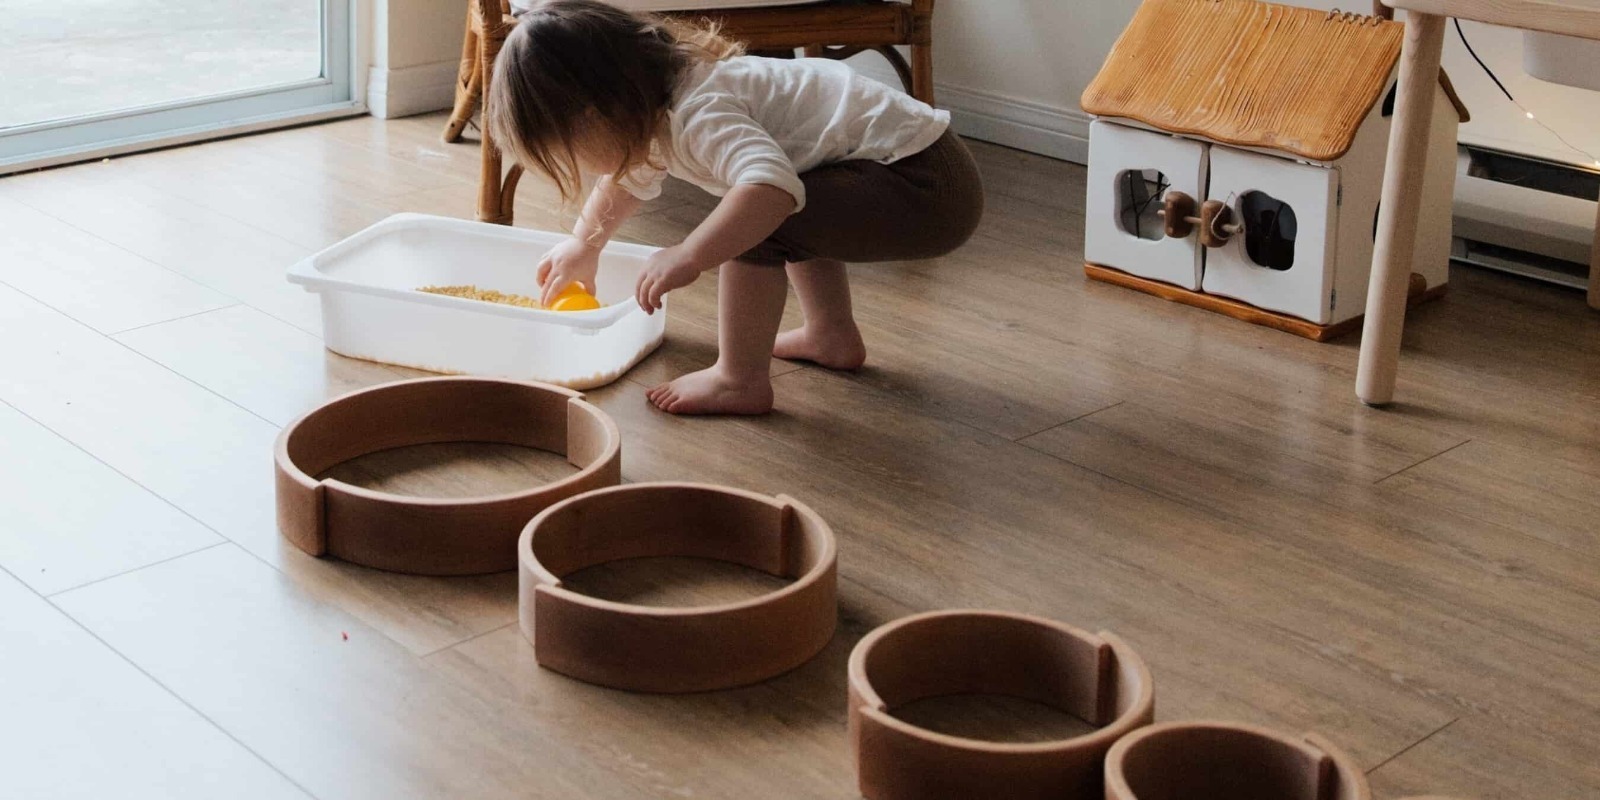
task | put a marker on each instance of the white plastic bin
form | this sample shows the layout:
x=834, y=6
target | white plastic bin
x=371, y=308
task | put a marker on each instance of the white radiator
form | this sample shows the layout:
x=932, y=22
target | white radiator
x=1524, y=201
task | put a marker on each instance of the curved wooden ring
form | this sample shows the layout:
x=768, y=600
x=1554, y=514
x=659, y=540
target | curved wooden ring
x=1230, y=759
x=1095, y=677
x=434, y=536
x=656, y=649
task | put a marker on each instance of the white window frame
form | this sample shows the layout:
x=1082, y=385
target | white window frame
x=334, y=94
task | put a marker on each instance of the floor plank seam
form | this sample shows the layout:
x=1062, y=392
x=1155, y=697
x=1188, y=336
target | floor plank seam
x=109, y=243
x=176, y=199
x=1409, y=747
x=115, y=334
x=224, y=398
x=473, y=638
x=1189, y=504
x=423, y=166
x=1020, y=439
x=1423, y=461
x=226, y=539
x=222, y=540
x=1044, y=250
x=125, y=476
x=41, y=301
x=935, y=414
x=254, y=143
x=165, y=688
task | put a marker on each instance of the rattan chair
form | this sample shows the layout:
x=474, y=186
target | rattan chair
x=831, y=29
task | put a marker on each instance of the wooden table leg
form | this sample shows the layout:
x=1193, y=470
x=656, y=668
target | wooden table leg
x=1402, y=201
x=1594, y=264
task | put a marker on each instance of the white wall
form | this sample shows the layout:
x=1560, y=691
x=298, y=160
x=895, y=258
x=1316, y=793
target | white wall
x=1012, y=73
x=416, y=49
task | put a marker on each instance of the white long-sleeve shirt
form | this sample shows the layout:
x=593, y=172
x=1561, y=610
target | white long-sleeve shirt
x=766, y=120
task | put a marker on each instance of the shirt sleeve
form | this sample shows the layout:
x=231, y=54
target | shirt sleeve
x=643, y=181
x=735, y=149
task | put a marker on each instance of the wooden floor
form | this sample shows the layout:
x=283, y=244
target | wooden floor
x=1421, y=585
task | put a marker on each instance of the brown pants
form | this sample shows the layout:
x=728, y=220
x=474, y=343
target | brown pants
x=921, y=206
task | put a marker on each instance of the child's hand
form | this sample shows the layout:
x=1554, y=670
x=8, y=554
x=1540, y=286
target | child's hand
x=671, y=268
x=572, y=261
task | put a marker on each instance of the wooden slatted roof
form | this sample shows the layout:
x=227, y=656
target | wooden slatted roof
x=1250, y=73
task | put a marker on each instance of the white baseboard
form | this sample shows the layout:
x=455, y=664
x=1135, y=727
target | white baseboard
x=1026, y=125
x=1037, y=128
x=411, y=90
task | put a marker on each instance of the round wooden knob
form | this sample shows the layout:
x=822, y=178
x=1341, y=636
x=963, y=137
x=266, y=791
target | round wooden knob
x=1177, y=210
x=1216, y=223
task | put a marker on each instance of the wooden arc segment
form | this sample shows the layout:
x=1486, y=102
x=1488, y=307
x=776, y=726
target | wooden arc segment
x=1228, y=759
x=434, y=536
x=1095, y=677
x=685, y=649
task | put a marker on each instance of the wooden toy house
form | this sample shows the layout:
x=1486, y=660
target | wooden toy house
x=1236, y=159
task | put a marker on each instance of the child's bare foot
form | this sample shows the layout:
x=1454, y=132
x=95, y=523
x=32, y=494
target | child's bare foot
x=833, y=347
x=710, y=391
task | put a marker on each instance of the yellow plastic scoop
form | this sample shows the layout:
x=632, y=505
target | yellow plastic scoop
x=572, y=298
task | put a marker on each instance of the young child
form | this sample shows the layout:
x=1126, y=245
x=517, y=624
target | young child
x=815, y=166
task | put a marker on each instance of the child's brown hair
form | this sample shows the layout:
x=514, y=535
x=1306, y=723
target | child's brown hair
x=580, y=70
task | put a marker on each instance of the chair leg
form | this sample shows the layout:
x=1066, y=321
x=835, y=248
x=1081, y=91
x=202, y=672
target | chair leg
x=816, y=51
x=508, y=193
x=492, y=203
x=901, y=68
x=922, y=72
x=469, y=88
x=496, y=190
x=922, y=50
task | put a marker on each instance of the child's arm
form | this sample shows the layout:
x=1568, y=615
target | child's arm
x=745, y=218
x=578, y=258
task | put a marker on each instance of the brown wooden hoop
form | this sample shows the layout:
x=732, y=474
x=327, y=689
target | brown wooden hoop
x=655, y=649
x=1230, y=759
x=434, y=536
x=1095, y=677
